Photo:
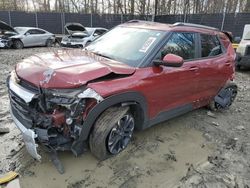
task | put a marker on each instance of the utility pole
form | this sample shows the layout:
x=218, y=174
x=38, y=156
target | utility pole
x=223, y=19
x=155, y=10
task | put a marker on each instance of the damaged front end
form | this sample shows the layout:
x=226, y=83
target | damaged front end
x=51, y=117
x=5, y=42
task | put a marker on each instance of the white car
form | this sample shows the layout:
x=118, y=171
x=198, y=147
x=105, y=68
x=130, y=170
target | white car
x=243, y=50
x=80, y=36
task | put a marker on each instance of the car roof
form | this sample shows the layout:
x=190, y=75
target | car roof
x=186, y=27
x=27, y=28
x=94, y=28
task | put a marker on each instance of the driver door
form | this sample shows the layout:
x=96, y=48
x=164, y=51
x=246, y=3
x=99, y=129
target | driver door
x=174, y=87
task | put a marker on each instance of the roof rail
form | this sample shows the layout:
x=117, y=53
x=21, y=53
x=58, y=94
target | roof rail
x=133, y=21
x=195, y=25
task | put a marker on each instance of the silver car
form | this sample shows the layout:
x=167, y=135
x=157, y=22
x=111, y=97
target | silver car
x=80, y=36
x=20, y=37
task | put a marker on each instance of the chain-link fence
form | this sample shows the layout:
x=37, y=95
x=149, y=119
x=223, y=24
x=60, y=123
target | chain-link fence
x=54, y=22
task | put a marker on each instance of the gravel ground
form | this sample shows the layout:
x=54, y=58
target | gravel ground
x=198, y=149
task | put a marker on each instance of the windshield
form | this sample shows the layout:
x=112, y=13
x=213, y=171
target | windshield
x=127, y=45
x=20, y=30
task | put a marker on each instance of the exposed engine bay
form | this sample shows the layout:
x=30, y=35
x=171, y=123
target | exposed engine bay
x=55, y=116
x=5, y=41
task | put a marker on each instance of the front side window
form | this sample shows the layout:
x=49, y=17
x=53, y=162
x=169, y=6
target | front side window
x=127, y=44
x=181, y=44
x=210, y=46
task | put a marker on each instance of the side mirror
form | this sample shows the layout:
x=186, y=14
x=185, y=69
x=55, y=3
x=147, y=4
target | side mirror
x=170, y=60
x=27, y=34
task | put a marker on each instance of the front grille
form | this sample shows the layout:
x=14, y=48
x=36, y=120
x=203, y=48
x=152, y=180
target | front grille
x=75, y=40
x=21, y=110
x=247, y=50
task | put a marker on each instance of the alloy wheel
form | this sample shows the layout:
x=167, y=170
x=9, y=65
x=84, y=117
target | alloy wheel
x=120, y=135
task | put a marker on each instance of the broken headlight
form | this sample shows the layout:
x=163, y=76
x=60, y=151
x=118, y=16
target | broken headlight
x=66, y=98
x=65, y=93
x=70, y=98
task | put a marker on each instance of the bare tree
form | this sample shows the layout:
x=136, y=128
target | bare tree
x=132, y=7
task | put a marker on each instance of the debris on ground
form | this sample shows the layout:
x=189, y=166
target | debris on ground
x=211, y=114
x=240, y=128
x=4, y=130
x=215, y=124
x=5, y=178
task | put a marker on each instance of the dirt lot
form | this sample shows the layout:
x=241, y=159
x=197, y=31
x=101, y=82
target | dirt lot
x=199, y=149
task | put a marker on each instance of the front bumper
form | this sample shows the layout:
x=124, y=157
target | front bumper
x=72, y=44
x=5, y=43
x=28, y=137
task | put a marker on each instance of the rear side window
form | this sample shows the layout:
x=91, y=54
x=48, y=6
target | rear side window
x=210, y=46
x=35, y=31
x=181, y=44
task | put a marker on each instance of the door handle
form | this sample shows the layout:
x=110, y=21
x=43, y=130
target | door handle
x=228, y=63
x=193, y=68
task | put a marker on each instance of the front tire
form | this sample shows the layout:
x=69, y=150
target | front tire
x=112, y=132
x=17, y=44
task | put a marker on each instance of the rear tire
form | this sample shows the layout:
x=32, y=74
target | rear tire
x=17, y=44
x=112, y=132
x=229, y=92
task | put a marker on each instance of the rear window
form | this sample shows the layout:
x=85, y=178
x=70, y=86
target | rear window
x=210, y=46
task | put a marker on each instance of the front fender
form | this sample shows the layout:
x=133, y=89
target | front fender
x=96, y=111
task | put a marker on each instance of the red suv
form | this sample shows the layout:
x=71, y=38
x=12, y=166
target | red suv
x=134, y=76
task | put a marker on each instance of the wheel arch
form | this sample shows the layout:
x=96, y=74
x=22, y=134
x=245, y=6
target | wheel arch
x=17, y=39
x=135, y=100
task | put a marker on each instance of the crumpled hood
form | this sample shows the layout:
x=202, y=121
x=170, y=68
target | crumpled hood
x=5, y=27
x=68, y=68
x=74, y=28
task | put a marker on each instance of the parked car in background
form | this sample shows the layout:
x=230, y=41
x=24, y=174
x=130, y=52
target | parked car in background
x=19, y=37
x=134, y=76
x=80, y=36
x=243, y=50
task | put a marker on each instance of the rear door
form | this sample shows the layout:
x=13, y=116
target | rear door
x=41, y=36
x=213, y=65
